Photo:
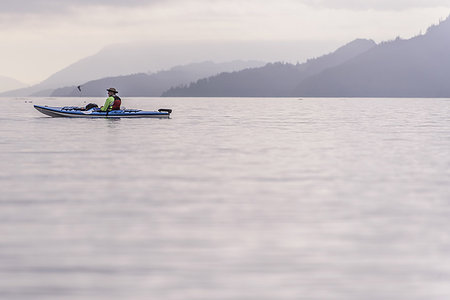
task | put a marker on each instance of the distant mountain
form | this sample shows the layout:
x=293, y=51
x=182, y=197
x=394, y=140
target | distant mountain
x=153, y=85
x=34, y=90
x=271, y=80
x=7, y=83
x=145, y=57
x=418, y=67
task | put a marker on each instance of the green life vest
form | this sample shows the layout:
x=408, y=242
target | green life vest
x=108, y=104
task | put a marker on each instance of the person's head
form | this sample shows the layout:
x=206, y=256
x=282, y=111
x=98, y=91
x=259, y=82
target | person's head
x=112, y=91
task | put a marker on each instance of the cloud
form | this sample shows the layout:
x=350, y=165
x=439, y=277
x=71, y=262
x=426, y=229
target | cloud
x=40, y=37
x=382, y=5
x=57, y=6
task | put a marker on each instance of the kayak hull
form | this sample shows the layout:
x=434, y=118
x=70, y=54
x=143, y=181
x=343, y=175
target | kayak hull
x=73, y=112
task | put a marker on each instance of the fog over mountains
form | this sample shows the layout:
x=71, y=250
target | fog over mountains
x=153, y=85
x=418, y=67
x=7, y=83
x=132, y=58
x=271, y=80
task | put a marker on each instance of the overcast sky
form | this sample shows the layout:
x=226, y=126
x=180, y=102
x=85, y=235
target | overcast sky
x=39, y=37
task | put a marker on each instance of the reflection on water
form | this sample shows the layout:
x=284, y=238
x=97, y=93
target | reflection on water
x=229, y=199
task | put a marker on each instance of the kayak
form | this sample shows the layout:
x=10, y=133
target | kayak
x=79, y=112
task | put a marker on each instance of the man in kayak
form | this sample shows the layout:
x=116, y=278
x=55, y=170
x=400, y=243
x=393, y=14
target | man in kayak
x=113, y=101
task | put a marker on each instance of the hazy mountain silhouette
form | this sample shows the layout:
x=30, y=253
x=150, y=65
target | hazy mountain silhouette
x=418, y=67
x=271, y=80
x=7, y=83
x=145, y=57
x=153, y=85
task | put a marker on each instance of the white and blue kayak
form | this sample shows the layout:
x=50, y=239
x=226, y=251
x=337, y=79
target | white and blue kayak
x=79, y=112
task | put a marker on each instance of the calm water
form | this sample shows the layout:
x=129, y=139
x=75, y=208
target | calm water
x=261, y=199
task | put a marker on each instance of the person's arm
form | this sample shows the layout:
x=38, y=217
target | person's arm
x=108, y=102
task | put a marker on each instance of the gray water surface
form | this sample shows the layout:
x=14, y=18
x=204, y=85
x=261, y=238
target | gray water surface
x=261, y=199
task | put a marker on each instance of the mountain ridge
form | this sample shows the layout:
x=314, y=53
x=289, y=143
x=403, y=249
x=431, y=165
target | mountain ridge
x=271, y=80
x=153, y=85
x=8, y=83
x=145, y=57
x=416, y=67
